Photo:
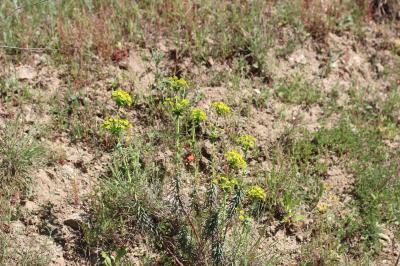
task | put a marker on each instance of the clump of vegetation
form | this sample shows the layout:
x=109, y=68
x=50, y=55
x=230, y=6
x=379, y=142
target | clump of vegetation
x=179, y=85
x=298, y=91
x=233, y=202
x=256, y=193
x=221, y=108
x=177, y=105
x=18, y=153
x=195, y=234
x=235, y=160
x=121, y=98
x=246, y=142
x=226, y=183
x=116, y=125
x=197, y=115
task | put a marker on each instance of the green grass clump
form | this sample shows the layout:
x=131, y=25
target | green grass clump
x=124, y=202
x=18, y=154
x=297, y=91
x=375, y=171
x=75, y=114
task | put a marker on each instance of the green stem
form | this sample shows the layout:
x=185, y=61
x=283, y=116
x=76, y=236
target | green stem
x=193, y=135
x=176, y=179
x=196, y=154
x=178, y=133
x=223, y=212
x=177, y=187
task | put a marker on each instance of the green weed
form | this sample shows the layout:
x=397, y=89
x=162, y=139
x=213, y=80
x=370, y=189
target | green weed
x=298, y=91
x=18, y=153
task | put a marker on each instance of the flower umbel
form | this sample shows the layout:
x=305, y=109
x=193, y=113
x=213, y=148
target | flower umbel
x=177, y=84
x=256, y=193
x=246, y=141
x=198, y=115
x=221, y=108
x=225, y=183
x=177, y=105
x=235, y=160
x=322, y=207
x=245, y=219
x=116, y=125
x=121, y=97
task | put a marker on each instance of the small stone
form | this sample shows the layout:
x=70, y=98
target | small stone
x=384, y=237
x=300, y=238
x=204, y=163
x=31, y=207
x=123, y=65
x=17, y=227
x=379, y=68
x=75, y=220
x=39, y=59
x=34, y=220
x=207, y=149
x=163, y=156
x=25, y=73
x=210, y=61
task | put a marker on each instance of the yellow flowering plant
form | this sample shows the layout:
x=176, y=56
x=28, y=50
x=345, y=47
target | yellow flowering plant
x=256, y=193
x=322, y=207
x=225, y=183
x=198, y=115
x=116, y=125
x=235, y=160
x=121, y=97
x=177, y=105
x=221, y=108
x=178, y=84
x=246, y=142
x=244, y=218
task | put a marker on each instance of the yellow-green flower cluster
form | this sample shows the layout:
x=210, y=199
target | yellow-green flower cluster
x=225, y=183
x=256, y=193
x=116, y=125
x=221, y=108
x=177, y=105
x=322, y=207
x=178, y=84
x=235, y=160
x=246, y=142
x=198, y=115
x=244, y=218
x=121, y=97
